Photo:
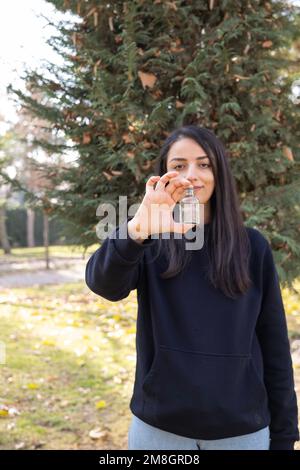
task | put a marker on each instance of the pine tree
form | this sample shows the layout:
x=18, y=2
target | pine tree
x=135, y=70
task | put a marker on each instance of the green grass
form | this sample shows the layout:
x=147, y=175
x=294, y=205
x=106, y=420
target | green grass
x=69, y=367
x=55, y=250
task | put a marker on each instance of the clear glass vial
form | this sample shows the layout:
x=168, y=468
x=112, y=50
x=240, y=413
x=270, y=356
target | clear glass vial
x=189, y=208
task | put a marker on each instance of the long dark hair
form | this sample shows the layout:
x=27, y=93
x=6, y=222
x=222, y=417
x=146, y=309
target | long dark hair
x=227, y=238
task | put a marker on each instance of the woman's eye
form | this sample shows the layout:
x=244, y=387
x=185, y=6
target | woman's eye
x=202, y=165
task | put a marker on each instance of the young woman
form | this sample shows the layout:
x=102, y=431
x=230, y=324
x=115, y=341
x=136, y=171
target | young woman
x=214, y=369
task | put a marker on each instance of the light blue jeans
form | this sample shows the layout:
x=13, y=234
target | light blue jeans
x=142, y=436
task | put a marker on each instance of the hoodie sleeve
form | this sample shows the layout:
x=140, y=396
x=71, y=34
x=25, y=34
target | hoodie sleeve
x=272, y=334
x=114, y=269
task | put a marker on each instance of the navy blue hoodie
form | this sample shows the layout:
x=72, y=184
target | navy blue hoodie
x=208, y=367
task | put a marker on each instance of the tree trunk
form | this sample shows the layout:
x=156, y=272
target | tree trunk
x=3, y=232
x=46, y=238
x=30, y=227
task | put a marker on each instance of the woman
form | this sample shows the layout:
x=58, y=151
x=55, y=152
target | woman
x=213, y=369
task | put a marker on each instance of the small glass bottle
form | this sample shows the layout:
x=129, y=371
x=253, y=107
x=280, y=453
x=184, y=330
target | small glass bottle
x=189, y=208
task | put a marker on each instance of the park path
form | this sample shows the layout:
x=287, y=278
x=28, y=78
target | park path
x=32, y=272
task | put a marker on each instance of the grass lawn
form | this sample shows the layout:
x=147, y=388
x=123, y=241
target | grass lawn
x=70, y=359
x=70, y=362
x=38, y=252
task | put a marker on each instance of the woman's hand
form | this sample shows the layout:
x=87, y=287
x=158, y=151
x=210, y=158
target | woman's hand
x=155, y=214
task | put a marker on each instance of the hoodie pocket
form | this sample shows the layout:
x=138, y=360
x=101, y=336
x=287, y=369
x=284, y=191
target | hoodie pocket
x=203, y=393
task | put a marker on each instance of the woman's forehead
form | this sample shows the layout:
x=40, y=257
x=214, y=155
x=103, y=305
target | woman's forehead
x=186, y=149
x=187, y=146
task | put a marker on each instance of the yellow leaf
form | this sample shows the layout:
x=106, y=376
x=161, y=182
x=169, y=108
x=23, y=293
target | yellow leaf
x=32, y=386
x=3, y=413
x=131, y=330
x=48, y=342
x=100, y=404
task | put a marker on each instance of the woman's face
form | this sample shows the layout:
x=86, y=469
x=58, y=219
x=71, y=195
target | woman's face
x=188, y=158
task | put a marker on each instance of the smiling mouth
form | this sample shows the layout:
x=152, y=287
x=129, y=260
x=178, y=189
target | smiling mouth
x=198, y=187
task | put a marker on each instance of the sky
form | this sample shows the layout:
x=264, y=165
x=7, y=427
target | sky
x=23, y=35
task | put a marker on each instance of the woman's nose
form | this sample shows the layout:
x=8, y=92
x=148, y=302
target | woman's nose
x=191, y=176
x=191, y=173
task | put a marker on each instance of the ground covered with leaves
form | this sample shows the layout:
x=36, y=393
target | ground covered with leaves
x=69, y=370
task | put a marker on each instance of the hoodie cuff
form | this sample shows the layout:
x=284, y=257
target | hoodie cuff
x=282, y=445
x=129, y=249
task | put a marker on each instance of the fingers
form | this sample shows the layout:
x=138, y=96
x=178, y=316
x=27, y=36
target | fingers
x=179, y=192
x=176, y=187
x=165, y=179
x=151, y=182
x=170, y=183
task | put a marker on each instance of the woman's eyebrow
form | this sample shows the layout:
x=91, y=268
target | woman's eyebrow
x=181, y=158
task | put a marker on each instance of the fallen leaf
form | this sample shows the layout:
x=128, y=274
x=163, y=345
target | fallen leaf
x=86, y=138
x=147, y=79
x=267, y=44
x=118, y=39
x=117, y=380
x=287, y=152
x=8, y=411
x=147, y=145
x=13, y=412
x=52, y=378
x=10, y=426
x=172, y=5
x=20, y=445
x=107, y=175
x=48, y=342
x=110, y=23
x=64, y=403
x=32, y=386
x=100, y=404
x=179, y=104
x=157, y=94
x=127, y=138
x=97, y=433
x=3, y=411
